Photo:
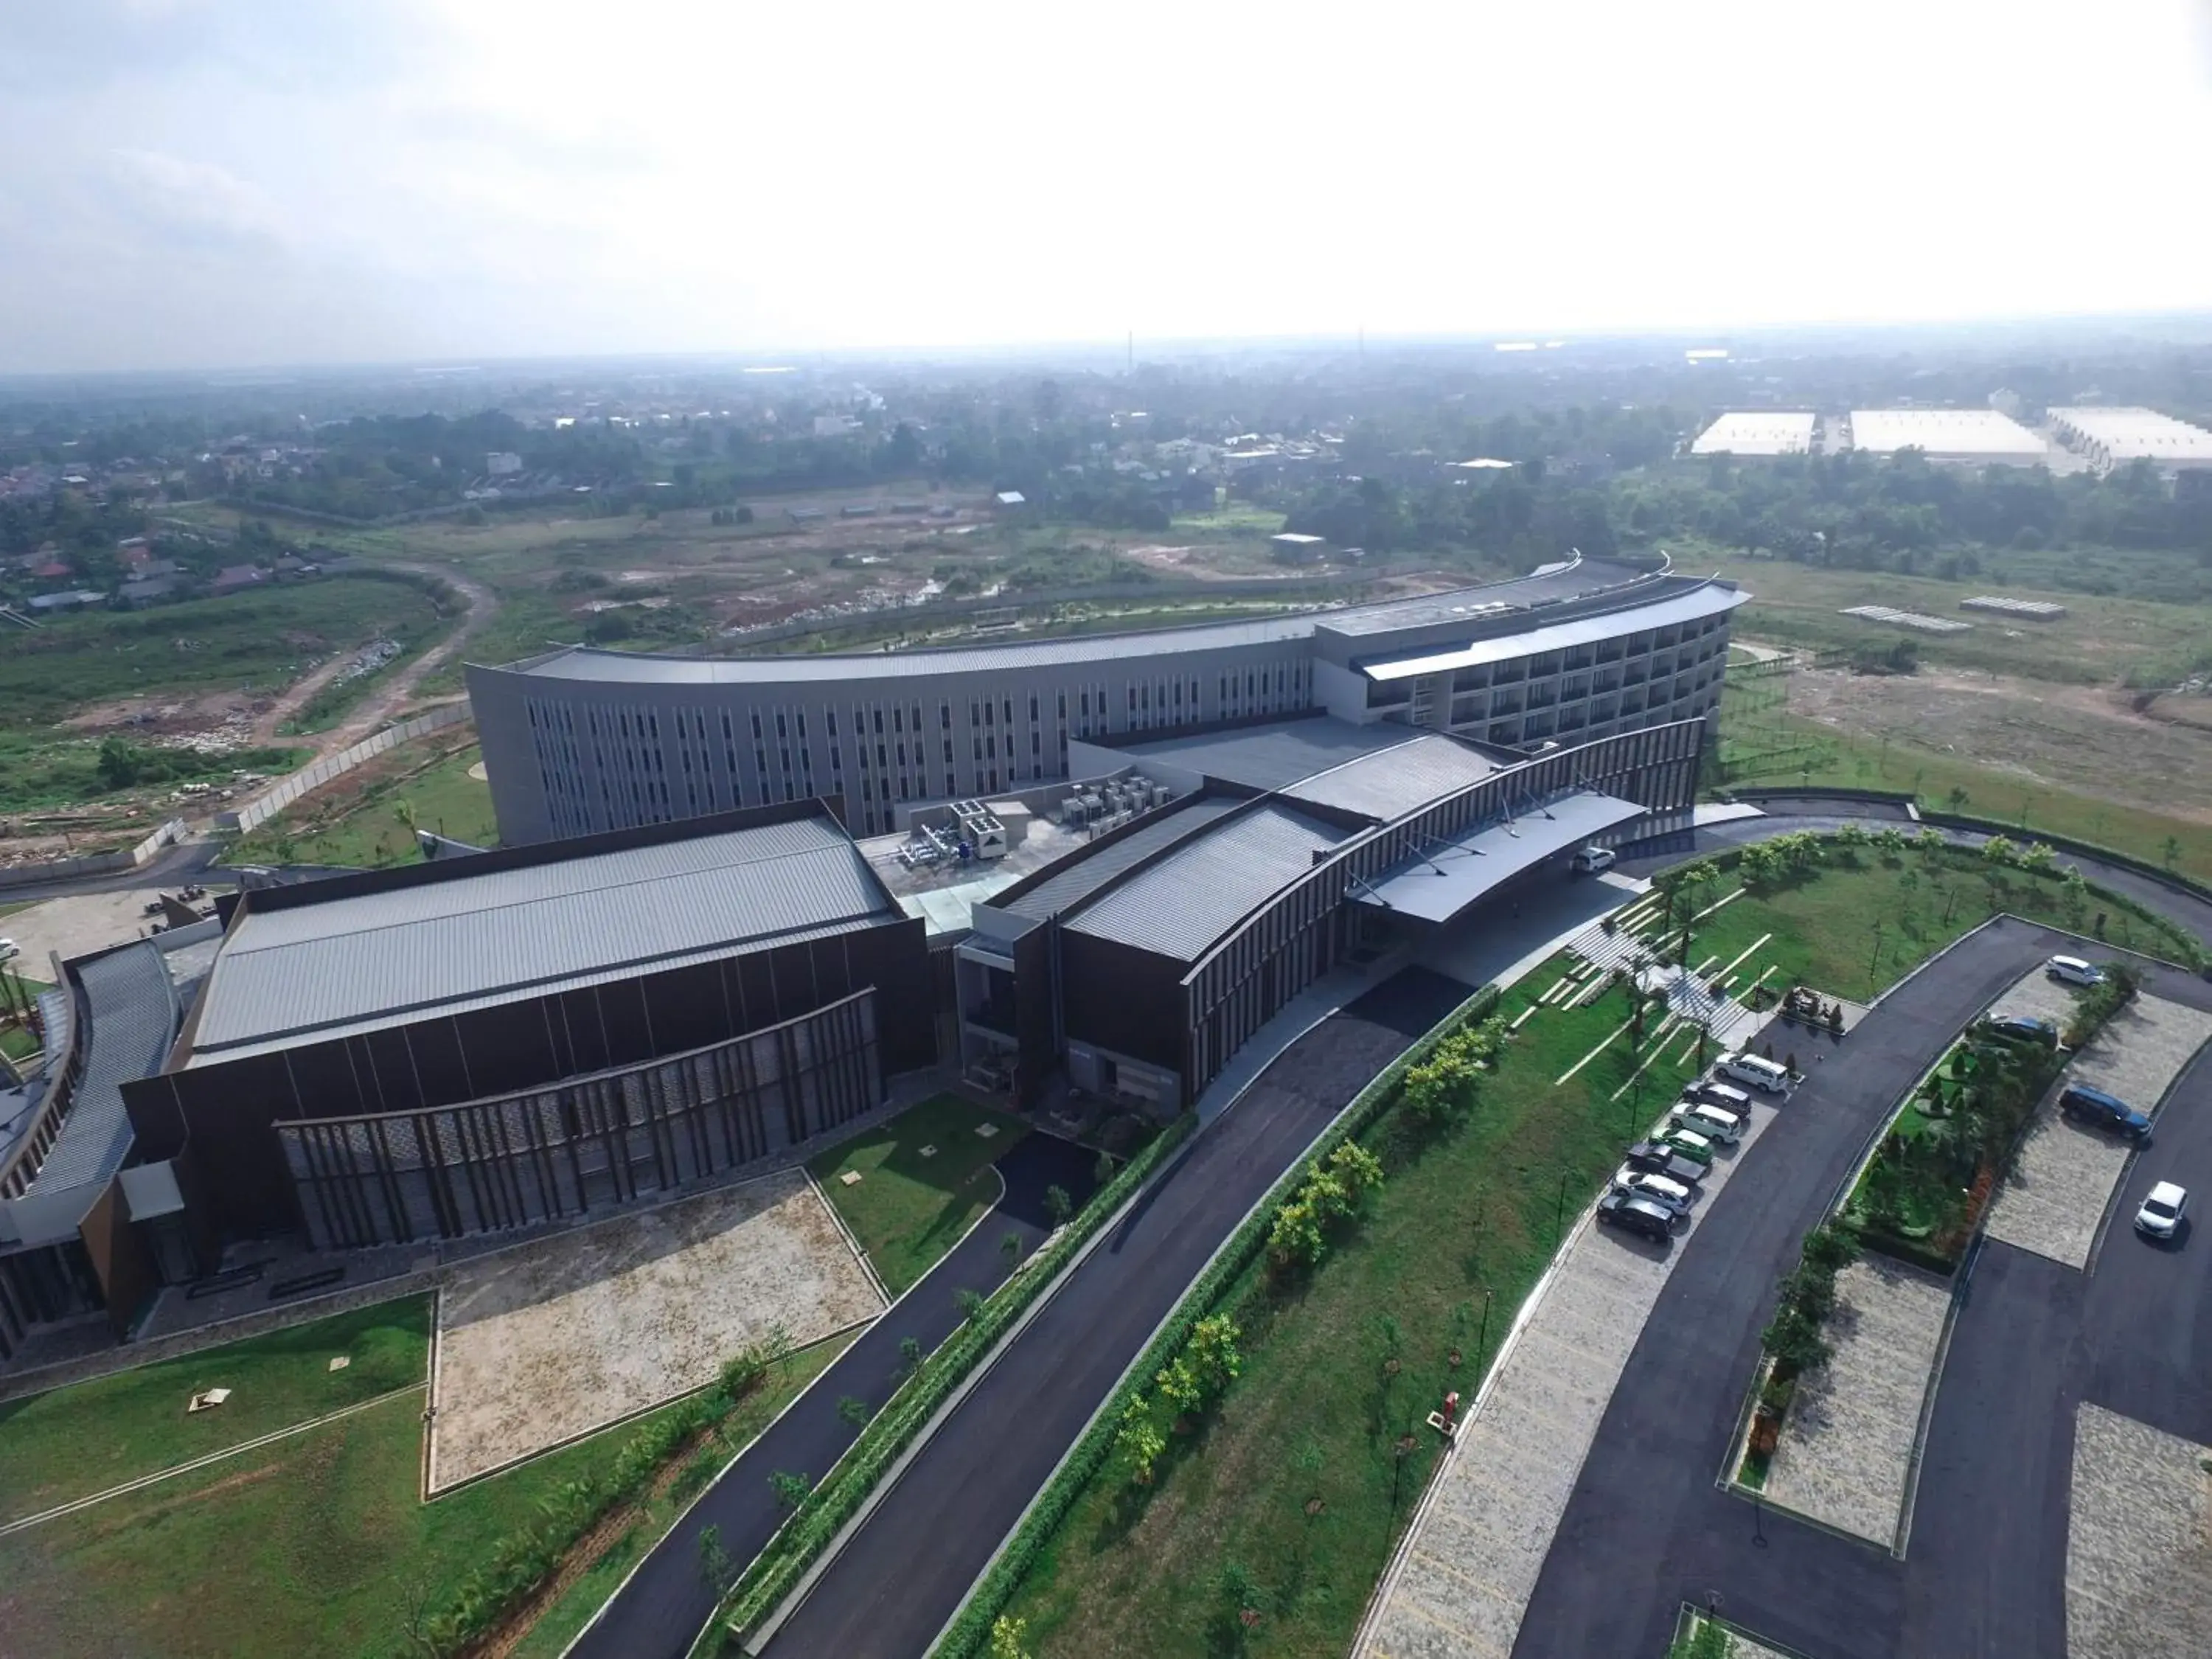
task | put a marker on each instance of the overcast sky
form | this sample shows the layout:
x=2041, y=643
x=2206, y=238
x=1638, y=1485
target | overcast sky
x=210, y=182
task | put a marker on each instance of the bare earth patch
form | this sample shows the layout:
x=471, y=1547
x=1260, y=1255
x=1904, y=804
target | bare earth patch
x=2138, y=1571
x=538, y=1345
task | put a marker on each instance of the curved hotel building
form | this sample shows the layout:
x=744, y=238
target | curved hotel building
x=579, y=741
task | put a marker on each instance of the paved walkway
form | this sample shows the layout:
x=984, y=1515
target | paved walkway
x=1470, y=1562
x=2138, y=1572
x=1846, y=1456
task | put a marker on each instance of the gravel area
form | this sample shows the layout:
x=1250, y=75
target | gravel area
x=1845, y=1454
x=549, y=1340
x=2138, y=1570
x=2057, y=1193
x=1464, y=1576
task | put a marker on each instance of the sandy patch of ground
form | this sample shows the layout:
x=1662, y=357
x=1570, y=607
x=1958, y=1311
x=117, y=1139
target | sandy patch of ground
x=2065, y=735
x=78, y=924
x=541, y=1344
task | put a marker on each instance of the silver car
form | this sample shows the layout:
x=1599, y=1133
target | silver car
x=1669, y=1194
x=1714, y=1122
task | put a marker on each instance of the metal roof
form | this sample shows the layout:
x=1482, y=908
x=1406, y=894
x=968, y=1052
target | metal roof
x=1273, y=755
x=131, y=1018
x=381, y=958
x=1444, y=881
x=1180, y=905
x=1392, y=782
x=1706, y=599
x=1551, y=584
x=1088, y=870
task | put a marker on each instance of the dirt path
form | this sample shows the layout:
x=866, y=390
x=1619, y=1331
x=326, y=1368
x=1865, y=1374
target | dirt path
x=392, y=694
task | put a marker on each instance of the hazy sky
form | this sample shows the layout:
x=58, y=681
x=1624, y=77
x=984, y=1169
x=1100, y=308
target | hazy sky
x=224, y=182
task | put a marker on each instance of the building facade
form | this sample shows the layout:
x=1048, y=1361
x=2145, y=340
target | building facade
x=578, y=741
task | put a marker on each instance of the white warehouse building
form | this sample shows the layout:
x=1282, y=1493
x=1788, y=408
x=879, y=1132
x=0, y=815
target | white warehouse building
x=1982, y=436
x=1758, y=432
x=2117, y=437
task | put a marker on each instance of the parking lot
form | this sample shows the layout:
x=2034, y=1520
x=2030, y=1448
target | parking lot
x=544, y=1342
x=2138, y=1574
x=2054, y=1201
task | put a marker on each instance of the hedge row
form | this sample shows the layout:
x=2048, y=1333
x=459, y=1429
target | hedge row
x=775, y=1572
x=970, y=1634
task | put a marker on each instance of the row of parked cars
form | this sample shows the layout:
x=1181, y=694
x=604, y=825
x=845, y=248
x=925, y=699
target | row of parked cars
x=1657, y=1182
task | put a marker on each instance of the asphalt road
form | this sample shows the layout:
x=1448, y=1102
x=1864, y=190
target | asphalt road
x=906, y=1572
x=1648, y=1529
x=665, y=1603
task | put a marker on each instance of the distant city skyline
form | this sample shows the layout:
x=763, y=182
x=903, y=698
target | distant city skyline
x=204, y=184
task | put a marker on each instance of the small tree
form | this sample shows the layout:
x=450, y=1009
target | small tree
x=1008, y=1634
x=791, y=1490
x=1010, y=1247
x=855, y=1410
x=1214, y=1354
x=970, y=1303
x=1138, y=1440
x=909, y=1354
x=717, y=1572
x=1058, y=1205
x=1179, y=1386
x=1102, y=1170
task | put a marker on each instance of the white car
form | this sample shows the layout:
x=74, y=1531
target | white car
x=9, y=950
x=2160, y=1215
x=1591, y=859
x=1762, y=1074
x=1714, y=1122
x=1641, y=1183
x=2075, y=971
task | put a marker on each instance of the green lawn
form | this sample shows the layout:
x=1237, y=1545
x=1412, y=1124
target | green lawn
x=907, y=1210
x=363, y=826
x=73, y=1441
x=316, y=1545
x=1471, y=1218
x=17, y=1042
x=1852, y=931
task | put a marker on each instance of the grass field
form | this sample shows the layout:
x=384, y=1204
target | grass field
x=61, y=1445
x=251, y=642
x=316, y=1545
x=1852, y=929
x=1786, y=749
x=356, y=820
x=1469, y=1218
x=907, y=1210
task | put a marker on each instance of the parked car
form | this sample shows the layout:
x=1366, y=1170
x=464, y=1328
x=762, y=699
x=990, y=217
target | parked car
x=2160, y=1214
x=2102, y=1111
x=1714, y=1122
x=1635, y=1215
x=1591, y=859
x=2075, y=971
x=1659, y=1159
x=9, y=950
x=1689, y=1143
x=1767, y=1076
x=1726, y=1095
x=2021, y=1028
x=1670, y=1195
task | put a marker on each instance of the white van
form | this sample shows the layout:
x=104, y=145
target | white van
x=1758, y=1071
x=2072, y=970
x=1591, y=859
x=1713, y=1122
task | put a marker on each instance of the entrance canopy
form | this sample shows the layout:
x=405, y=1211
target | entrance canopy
x=1440, y=883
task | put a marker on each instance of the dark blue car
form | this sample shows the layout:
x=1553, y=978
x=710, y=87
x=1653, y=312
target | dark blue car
x=2102, y=1111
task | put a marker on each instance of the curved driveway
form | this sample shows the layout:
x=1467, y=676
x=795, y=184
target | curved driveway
x=1649, y=1528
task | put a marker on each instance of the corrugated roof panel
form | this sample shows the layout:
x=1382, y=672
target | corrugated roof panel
x=131, y=1013
x=1392, y=783
x=1273, y=755
x=1180, y=906
x=511, y=933
x=1088, y=869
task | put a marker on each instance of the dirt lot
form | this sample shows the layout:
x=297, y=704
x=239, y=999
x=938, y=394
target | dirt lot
x=2067, y=735
x=78, y=924
x=542, y=1343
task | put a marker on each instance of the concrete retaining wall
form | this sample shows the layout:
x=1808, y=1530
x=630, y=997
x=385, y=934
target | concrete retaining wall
x=281, y=795
x=98, y=864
